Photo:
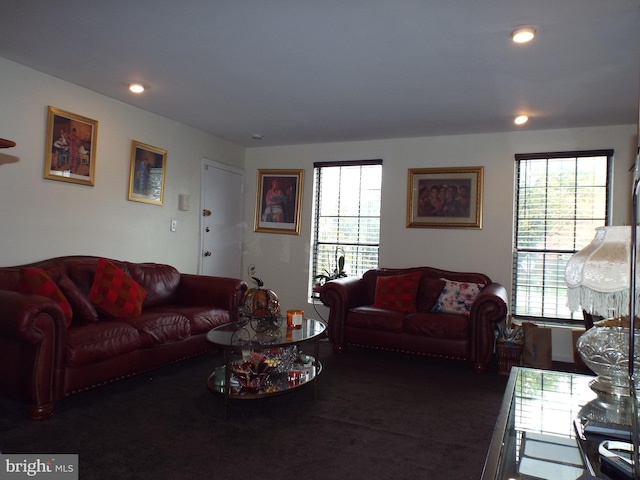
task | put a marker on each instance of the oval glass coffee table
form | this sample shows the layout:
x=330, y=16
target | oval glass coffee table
x=262, y=359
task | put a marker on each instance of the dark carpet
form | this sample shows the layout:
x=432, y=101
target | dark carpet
x=378, y=415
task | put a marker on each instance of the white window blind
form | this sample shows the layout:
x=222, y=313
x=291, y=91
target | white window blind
x=346, y=216
x=560, y=199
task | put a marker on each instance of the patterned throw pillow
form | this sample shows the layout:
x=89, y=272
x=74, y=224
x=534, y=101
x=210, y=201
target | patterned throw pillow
x=457, y=297
x=115, y=293
x=397, y=292
x=35, y=281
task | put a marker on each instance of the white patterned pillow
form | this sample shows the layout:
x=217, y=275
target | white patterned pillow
x=457, y=297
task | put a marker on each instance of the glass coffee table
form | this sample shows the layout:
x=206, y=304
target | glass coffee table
x=262, y=359
x=541, y=433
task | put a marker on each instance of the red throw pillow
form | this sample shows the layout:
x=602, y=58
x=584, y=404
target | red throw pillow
x=35, y=281
x=115, y=293
x=397, y=292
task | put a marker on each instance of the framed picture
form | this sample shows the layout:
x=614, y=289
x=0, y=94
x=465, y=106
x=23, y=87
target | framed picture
x=70, y=147
x=445, y=197
x=146, y=173
x=279, y=201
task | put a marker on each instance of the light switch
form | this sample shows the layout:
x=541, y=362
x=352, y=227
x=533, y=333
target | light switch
x=174, y=224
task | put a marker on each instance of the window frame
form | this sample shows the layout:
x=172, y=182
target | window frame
x=575, y=317
x=314, y=267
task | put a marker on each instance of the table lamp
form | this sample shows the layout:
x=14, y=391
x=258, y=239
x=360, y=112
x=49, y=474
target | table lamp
x=597, y=278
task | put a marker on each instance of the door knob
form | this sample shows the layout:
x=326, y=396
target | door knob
x=206, y=213
x=207, y=254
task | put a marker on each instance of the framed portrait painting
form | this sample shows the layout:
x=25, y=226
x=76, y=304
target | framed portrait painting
x=445, y=197
x=71, y=144
x=279, y=201
x=146, y=173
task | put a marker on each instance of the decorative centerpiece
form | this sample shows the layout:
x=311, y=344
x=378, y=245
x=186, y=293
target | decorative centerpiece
x=261, y=307
x=253, y=374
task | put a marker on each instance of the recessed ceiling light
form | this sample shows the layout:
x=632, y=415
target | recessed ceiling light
x=521, y=119
x=523, y=35
x=136, y=87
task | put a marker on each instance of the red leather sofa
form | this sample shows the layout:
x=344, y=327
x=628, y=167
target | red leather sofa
x=42, y=360
x=356, y=319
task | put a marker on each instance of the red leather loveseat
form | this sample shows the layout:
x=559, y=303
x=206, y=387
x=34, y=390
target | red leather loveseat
x=419, y=310
x=65, y=329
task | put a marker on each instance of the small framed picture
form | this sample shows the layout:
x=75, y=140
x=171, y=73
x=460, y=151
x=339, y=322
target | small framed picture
x=71, y=144
x=279, y=201
x=445, y=197
x=147, y=172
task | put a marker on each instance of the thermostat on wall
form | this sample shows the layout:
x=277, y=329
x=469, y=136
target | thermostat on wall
x=184, y=202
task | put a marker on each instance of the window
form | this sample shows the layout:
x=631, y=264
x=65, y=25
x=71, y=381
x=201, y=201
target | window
x=560, y=199
x=346, y=217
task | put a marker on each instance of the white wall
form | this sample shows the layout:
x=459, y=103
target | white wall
x=44, y=218
x=283, y=260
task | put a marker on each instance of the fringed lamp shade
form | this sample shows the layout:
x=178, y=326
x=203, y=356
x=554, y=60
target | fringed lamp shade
x=597, y=276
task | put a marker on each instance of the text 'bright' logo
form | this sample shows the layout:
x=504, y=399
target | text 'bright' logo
x=62, y=467
x=30, y=468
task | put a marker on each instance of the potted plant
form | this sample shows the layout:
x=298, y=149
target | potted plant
x=337, y=272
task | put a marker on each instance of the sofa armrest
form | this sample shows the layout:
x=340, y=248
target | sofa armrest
x=33, y=338
x=340, y=295
x=488, y=309
x=21, y=318
x=215, y=292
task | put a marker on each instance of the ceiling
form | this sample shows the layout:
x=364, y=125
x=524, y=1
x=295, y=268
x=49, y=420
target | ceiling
x=310, y=71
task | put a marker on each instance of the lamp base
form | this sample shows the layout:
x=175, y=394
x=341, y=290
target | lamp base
x=605, y=350
x=609, y=409
x=610, y=389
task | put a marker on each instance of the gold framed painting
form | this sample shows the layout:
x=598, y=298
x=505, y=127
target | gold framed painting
x=279, y=201
x=147, y=173
x=71, y=144
x=445, y=197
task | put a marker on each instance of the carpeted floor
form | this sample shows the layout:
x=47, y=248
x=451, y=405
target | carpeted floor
x=378, y=415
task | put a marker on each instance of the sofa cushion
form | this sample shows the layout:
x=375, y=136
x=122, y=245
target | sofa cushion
x=429, y=290
x=114, y=292
x=82, y=308
x=34, y=281
x=201, y=319
x=160, y=328
x=97, y=341
x=397, y=292
x=376, y=319
x=457, y=297
x=438, y=325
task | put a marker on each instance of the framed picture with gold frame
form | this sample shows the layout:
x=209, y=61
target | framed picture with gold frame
x=279, y=201
x=445, y=197
x=147, y=173
x=71, y=144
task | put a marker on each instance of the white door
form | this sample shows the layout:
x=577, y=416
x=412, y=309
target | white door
x=221, y=220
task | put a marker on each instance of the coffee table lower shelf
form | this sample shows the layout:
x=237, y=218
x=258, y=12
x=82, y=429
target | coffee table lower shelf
x=278, y=384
